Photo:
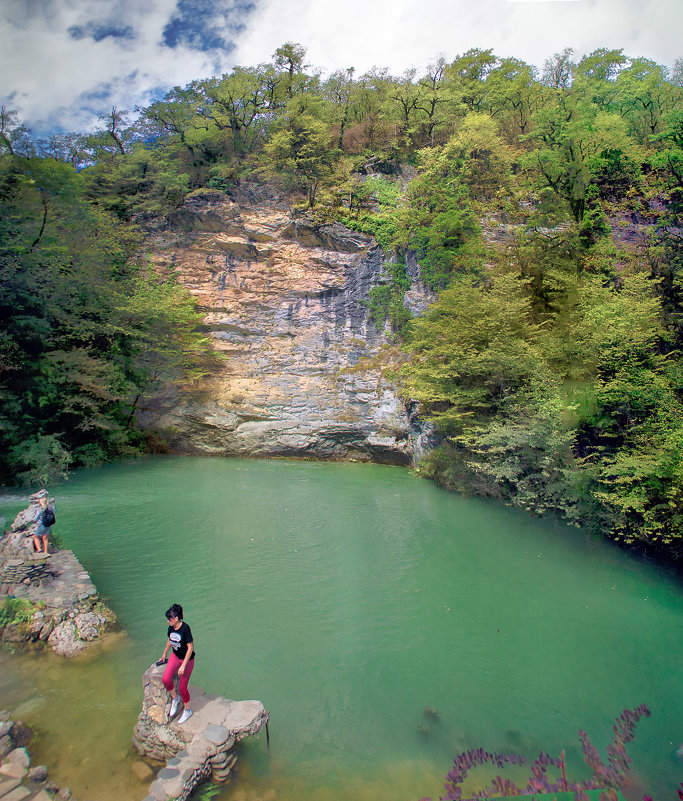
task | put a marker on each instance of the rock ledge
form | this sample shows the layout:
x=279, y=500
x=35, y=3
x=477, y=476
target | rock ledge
x=199, y=749
x=67, y=614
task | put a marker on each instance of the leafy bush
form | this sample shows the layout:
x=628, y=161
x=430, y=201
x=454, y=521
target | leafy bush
x=45, y=458
x=386, y=299
x=15, y=610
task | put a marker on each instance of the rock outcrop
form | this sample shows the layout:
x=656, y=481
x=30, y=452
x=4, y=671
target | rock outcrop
x=67, y=612
x=285, y=301
x=199, y=749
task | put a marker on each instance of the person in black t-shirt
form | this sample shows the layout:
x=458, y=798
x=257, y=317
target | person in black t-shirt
x=180, y=661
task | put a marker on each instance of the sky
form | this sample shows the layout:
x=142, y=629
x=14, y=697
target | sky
x=63, y=62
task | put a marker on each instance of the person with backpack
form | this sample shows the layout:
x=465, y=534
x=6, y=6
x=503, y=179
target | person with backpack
x=45, y=517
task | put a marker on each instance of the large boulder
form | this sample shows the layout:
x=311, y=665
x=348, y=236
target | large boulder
x=64, y=639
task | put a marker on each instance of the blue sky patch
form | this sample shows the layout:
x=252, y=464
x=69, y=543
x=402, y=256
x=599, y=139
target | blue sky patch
x=101, y=30
x=97, y=93
x=204, y=24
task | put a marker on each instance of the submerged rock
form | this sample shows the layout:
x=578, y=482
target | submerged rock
x=37, y=773
x=142, y=772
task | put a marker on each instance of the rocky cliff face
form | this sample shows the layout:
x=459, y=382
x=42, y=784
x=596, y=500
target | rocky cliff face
x=284, y=301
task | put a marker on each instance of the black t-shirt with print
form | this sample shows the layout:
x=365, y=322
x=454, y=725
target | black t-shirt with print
x=180, y=639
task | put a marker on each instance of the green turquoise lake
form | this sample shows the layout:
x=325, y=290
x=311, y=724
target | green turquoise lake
x=385, y=623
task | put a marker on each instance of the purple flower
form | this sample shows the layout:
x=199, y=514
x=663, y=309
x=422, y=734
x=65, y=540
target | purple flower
x=605, y=777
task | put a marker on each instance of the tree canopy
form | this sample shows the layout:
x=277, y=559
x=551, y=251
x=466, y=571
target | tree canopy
x=543, y=207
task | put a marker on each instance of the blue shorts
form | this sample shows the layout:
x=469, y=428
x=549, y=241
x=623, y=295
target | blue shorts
x=41, y=531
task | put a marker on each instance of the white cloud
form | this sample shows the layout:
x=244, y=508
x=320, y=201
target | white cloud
x=56, y=80
x=399, y=34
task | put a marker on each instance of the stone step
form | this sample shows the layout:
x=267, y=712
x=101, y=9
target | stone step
x=18, y=794
x=40, y=795
x=216, y=734
x=157, y=791
x=200, y=750
x=12, y=770
x=183, y=763
x=7, y=785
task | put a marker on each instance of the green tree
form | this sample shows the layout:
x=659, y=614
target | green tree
x=480, y=371
x=406, y=98
x=513, y=94
x=337, y=89
x=467, y=75
x=75, y=330
x=595, y=77
x=666, y=256
x=485, y=161
x=645, y=96
x=146, y=182
x=290, y=58
x=14, y=136
x=435, y=218
x=576, y=141
x=475, y=351
x=439, y=104
x=300, y=149
x=242, y=103
x=635, y=421
x=558, y=71
x=173, y=117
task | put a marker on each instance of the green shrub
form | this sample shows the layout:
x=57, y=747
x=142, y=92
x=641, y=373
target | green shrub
x=386, y=299
x=15, y=610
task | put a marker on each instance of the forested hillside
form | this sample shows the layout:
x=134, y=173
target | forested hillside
x=544, y=209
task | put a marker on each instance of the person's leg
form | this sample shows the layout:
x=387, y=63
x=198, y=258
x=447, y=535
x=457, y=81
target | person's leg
x=183, y=682
x=45, y=542
x=185, y=693
x=168, y=679
x=170, y=673
x=38, y=534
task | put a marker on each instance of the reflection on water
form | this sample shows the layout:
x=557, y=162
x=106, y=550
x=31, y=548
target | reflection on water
x=348, y=598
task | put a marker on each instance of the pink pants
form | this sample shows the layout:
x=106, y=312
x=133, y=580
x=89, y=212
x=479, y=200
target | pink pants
x=170, y=673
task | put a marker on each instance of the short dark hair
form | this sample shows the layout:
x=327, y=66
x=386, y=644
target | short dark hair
x=176, y=610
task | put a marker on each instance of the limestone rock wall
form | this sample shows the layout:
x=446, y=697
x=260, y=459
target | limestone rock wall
x=286, y=302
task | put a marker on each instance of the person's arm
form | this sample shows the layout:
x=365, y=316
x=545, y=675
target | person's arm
x=188, y=655
x=168, y=645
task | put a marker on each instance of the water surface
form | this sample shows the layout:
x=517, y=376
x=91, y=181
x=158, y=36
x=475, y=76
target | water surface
x=350, y=599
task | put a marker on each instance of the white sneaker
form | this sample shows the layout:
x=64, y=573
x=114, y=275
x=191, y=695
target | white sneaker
x=175, y=703
x=187, y=714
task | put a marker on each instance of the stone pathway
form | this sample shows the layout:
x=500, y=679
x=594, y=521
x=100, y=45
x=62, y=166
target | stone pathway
x=199, y=749
x=58, y=580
